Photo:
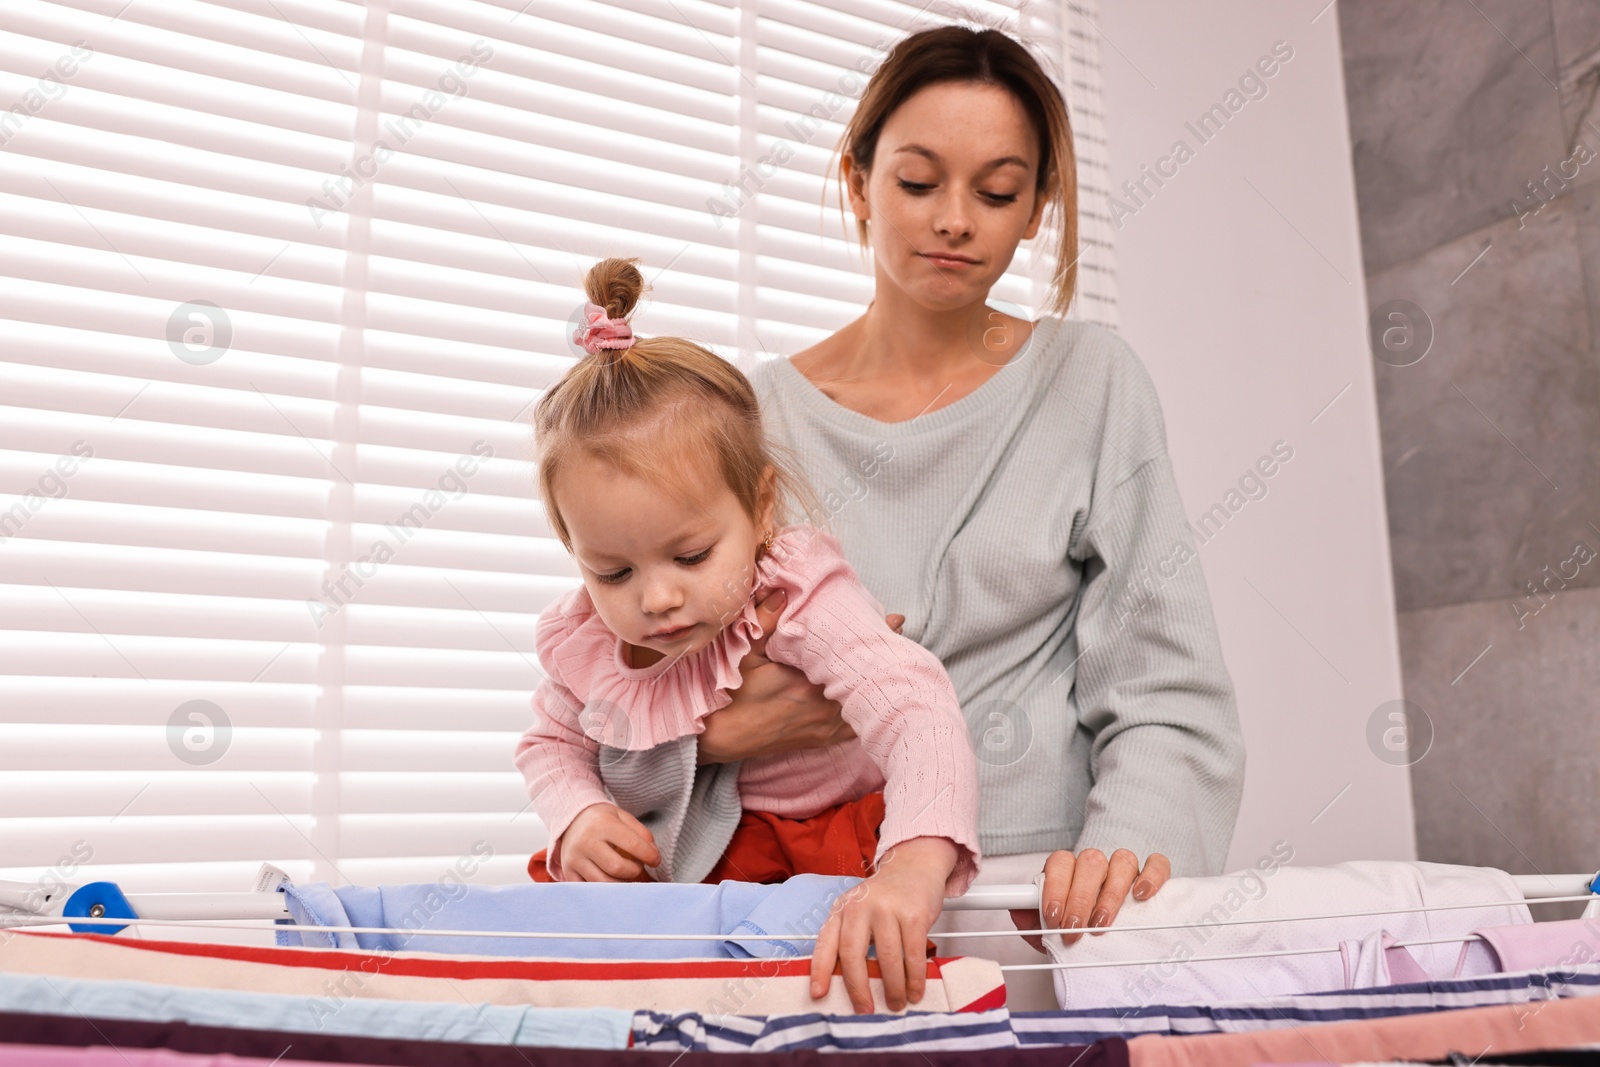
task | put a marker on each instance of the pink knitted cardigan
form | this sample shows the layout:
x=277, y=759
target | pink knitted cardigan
x=911, y=739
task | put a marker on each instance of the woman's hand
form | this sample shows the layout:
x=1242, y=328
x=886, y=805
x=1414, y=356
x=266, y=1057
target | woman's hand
x=776, y=708
x=606, y=844
x=892, y=910
x=1072, y=884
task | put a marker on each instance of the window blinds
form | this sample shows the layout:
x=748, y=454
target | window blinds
x=280, y=281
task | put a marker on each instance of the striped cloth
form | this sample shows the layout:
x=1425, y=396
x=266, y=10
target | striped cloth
x=911, y=1032
x=999, y=1028
x=1081, y=1026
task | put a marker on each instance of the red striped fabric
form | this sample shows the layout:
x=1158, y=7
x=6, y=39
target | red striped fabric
x=749, y=987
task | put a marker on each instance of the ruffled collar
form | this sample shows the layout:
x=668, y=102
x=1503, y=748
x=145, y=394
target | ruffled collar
x=641, y=707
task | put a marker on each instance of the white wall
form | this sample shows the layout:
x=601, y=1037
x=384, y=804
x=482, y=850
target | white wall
x=1242, y=290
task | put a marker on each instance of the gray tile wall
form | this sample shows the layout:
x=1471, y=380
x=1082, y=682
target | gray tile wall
x=1476, y=133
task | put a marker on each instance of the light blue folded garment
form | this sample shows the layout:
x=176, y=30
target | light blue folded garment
x=798, y=906
x=481, y=1024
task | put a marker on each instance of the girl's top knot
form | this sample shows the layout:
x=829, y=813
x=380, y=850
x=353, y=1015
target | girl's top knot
x=601, y=332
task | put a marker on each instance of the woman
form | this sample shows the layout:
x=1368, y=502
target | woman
x=1006, y=485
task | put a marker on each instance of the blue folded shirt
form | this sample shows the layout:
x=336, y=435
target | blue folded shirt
x=799, y=906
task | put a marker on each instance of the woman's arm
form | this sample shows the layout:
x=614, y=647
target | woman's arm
x=776, y=708
x=1151, y=686
x=1167, y=758
x=1167, y=755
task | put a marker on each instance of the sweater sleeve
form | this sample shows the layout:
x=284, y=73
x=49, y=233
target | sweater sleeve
x=559, y=764
x=1167, y=758
x=898, y=699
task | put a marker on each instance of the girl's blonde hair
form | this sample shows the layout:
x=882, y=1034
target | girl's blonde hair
x=658, y=411
x=990, y=57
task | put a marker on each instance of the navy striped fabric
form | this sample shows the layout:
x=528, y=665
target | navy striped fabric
x=999, y=1028
x=911, y=1032
x=1081, y=1026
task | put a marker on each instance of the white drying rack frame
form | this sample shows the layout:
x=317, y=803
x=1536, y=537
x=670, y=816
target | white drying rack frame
x=26, y=904
x=1533, y=887
x=27, y=899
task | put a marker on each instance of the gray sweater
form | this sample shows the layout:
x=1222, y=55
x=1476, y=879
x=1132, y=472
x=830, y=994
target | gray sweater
x=1032, y=535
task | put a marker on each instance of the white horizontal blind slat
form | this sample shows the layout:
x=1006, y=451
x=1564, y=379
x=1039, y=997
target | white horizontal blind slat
x=250, y=43
x=162, y=517
x=1097, y=277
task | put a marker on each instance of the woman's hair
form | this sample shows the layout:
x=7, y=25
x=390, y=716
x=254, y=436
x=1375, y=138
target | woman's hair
x=658, y=411
x=989, y=57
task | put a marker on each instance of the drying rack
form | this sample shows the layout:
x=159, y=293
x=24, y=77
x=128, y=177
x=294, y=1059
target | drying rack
x=104, y=907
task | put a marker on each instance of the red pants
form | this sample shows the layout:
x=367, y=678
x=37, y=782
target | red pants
x=770, y=848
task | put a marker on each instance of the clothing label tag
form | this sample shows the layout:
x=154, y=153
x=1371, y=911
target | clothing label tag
x=270, y=879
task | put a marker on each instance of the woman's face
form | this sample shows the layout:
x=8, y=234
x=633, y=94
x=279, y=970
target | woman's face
x=954, y=174
x=652, y=561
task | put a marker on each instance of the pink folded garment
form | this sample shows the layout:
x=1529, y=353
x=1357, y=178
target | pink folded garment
x=745, y=987
x=1537, y=946
x=1504, y=1028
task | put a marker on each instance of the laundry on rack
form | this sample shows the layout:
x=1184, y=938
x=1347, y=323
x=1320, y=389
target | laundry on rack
x=1505, y=1028
x=753, y=986
x=1137, y=967
x=1377, y=960
x=1547, y=944
x=1081, y=1037
x=111, y=1056
x=916, y=1031
x=1527, y=990
x=79, y=1034
x=332, y=1011
x=135, y=1040
x=238, y=1046
x=798, y=906
x=1001, y=1028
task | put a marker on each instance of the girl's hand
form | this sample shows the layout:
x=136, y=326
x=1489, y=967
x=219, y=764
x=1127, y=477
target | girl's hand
x=606, y=844
x=776, y=708
x=893, y=910
x=1074, y=884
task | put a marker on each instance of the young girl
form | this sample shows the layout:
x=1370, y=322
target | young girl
x=658, y=478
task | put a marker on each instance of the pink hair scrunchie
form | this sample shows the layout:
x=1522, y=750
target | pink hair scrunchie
x=602, y=332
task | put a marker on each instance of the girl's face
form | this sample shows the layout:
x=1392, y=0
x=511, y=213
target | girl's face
x=953, y=175
x=653, y=562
